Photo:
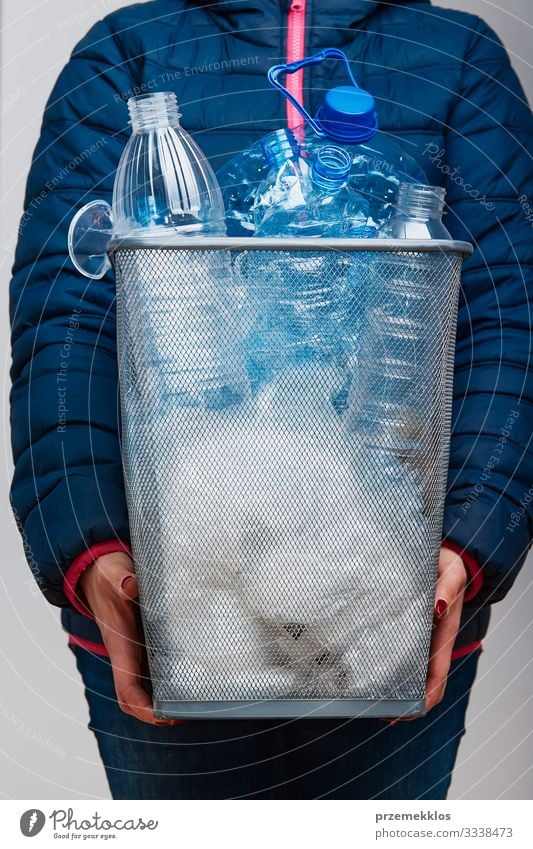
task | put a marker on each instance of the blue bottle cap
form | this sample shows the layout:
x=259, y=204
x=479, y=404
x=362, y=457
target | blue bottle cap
x=348, y=114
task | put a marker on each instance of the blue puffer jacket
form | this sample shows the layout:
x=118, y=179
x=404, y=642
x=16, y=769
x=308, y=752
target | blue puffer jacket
x=444, y=88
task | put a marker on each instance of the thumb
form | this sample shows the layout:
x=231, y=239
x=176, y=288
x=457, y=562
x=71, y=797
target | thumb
x=451, y=581
x=116, y=569
x=129, y=587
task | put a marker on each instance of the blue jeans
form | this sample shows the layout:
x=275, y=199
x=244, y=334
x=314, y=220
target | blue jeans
x=277, y=759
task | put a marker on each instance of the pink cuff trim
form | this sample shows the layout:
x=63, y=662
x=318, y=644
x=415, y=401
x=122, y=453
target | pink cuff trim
x=88, y=645
x=474, y=569
x=72, y=575
x=468, y=649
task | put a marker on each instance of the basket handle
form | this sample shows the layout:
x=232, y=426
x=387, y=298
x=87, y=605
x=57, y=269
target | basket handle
x=89, y=234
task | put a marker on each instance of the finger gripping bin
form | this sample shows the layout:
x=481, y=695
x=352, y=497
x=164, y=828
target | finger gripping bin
x=285, y=433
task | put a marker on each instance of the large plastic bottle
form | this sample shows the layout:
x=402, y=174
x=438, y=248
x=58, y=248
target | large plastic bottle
x=347, y=117
x=239, y=181
x=317, y=203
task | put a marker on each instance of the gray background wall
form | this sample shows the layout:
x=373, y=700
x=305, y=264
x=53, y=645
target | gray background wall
x=45, y=747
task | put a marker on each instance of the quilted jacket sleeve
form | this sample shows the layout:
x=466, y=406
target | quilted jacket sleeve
x=489, y=167
x=67, y=491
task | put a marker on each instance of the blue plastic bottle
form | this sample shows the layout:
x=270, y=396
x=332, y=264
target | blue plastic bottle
x=348, y=118
x=285, y=182
x=302, y=296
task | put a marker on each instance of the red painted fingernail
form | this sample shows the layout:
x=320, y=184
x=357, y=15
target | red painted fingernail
x=441, y=608
x=125, y=580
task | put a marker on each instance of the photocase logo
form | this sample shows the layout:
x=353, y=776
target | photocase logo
x=32, y=822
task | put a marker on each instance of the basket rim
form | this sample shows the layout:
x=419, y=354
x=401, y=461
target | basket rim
x=195, y=243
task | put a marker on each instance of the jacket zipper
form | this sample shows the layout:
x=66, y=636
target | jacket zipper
x=295, y=52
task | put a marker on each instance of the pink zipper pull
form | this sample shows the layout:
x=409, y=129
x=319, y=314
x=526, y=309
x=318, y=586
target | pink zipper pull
x=295, y=52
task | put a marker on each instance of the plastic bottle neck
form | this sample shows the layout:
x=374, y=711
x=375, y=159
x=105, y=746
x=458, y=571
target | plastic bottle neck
x=153, y=111
x=421, y=202
x=330, y=167
x=279, y=147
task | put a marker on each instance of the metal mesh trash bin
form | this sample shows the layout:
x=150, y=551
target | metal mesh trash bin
x=285, y=433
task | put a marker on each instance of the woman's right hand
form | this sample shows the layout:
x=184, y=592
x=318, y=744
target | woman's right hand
x=110, y=588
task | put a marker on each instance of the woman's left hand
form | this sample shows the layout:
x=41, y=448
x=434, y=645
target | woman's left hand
x=451, y=584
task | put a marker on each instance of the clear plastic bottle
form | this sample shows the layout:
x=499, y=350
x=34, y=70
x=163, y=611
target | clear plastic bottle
x=418, y=214
x=164, y=184
x=164, y=187
x=305, y=294
x=347, y=117
x=396, y=353
x=285, y=183
x=378, y=168
x=186, y=350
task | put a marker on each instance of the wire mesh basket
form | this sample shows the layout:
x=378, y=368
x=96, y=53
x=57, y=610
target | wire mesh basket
x=286, y=415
